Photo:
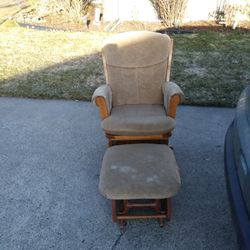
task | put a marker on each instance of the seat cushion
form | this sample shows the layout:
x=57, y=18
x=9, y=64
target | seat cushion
x=138, y=120
x=139, y=171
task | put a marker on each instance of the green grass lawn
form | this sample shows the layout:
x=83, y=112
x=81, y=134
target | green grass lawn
x=42, y=64
x=212, y=68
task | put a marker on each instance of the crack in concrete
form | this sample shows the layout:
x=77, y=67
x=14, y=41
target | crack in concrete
x=117, y=241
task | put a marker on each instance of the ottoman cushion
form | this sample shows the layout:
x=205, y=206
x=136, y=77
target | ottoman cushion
x=139, y=171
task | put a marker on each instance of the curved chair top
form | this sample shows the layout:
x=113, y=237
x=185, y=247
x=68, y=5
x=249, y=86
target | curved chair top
x=136, y=49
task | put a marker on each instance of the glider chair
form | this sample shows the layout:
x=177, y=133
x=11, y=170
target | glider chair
x=138, y=102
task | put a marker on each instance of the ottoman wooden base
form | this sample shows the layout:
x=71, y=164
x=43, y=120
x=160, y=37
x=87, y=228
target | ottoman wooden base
x=123, y=210
x=140, y=179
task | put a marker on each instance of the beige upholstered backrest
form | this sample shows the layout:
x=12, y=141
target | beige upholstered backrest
x=136, y=64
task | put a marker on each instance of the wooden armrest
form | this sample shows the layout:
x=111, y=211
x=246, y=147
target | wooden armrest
x=100, y=102
x=173, y=103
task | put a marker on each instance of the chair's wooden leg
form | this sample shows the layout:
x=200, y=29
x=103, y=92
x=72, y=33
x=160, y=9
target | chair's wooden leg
x=114, y=211
x=168, y=209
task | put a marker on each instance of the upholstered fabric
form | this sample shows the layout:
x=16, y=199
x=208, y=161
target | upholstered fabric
x=138, y=120
x=136, y=66
x=105, y=92
x=139, y=171
x=136, y=49
x=170, y=89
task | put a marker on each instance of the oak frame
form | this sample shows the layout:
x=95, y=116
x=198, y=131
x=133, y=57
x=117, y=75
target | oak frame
x=161, y=209
x=174, y=102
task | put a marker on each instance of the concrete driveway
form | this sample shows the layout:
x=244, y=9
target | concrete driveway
x=50, y=158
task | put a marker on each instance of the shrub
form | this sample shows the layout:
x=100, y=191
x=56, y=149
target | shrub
x=75, y=9
x=171, y=12
x=229, y=13
x=233, y=11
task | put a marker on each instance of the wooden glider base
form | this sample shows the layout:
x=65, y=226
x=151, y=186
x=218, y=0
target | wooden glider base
x=123, y=210
x=121, y=139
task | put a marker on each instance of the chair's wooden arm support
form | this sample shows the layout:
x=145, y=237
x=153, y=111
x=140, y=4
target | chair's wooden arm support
x=102, y=97
x=172, y=95
x=101, y=103
x=173, y=103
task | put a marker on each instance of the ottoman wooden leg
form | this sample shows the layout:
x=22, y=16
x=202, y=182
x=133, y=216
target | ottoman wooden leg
x=168, y=208
x=110, y=144
x=119, y=207
x=114, y=211
x=158, y=205
x=125, y=207
x=161, y=223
